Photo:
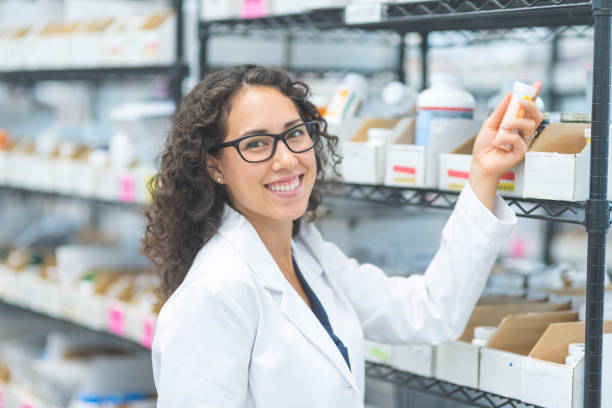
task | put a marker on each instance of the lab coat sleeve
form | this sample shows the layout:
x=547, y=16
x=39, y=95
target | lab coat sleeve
x=434, y=307
x=202, y=350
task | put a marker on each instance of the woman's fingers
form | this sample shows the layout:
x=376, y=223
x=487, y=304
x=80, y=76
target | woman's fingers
x=496, y=117
x=531, y=110
x=511, y=142
x=525, y=127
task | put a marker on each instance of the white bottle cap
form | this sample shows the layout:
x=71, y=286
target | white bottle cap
x=587, y=133
x=445, y=78
x=484, y=332
x=394, y=93
x=357, y=83
x=524, y=90
x=575, y=349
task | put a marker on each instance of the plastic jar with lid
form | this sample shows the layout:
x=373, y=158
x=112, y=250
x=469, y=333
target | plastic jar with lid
x=482, y=334
x=575, y=354
x=445, y=100
x=347, y=99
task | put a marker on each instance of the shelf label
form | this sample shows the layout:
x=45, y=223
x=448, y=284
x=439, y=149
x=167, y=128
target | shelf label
x=1, y=397
x=364, y=13
x=127, y=191
x=116, y=319
x=253, y=8
x=148, y=332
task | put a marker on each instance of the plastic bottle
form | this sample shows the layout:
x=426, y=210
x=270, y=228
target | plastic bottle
x=444, y=100
x=575, y=354
x=482, y=334
x=514, y=110
x=399, y=99
x=347, y=98
x=121, y=151
x=507, y=87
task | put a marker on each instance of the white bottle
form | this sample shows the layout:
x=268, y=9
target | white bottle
x=520, y=91
x=444, y=100
x=575, y=354
x=507, y=87
x=347, y=98
x=399, y=99
x=482, y=334
x=121, y=151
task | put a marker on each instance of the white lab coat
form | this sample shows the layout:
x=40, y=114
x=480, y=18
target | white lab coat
x=236, y=333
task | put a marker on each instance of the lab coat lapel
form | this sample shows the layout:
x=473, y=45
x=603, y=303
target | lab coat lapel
x=239, y=233
x=302, y=317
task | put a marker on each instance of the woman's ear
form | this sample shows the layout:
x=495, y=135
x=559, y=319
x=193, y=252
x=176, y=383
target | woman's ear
x=212, y=167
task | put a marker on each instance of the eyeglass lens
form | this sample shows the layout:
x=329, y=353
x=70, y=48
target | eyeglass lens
x=260, y=147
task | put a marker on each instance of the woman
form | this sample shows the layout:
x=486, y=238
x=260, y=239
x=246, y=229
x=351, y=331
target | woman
x=260, y=310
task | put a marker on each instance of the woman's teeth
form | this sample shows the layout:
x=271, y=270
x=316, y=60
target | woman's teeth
x=285, y=187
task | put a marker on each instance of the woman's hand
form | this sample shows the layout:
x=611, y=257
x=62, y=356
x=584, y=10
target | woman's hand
x=491, y=157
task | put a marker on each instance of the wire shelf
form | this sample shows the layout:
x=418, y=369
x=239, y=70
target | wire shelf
x=442, y=389
x=427, y=16
x=563, y=211
x=178, y=70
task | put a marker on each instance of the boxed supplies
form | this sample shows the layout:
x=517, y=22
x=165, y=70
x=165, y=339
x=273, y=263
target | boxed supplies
x=557, y=164
x=459, y=361
x=501, y=361
x=410, y=165
x=549, y=381
x=219, y=9
x=454, y=171
x=413, y=358
x=155, y=39
x=364, y=154
x=87, y=44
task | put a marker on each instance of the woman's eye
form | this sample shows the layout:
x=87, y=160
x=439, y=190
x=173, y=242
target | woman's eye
x=255, y=144
x=295, y=133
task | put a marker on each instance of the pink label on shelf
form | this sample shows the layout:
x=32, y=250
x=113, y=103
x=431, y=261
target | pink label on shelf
x=26, y=405
x=116, y=320
x=148, y=331
x=253, y=8
x=1, y=397
x=127, y=191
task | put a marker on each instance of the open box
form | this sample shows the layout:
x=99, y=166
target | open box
x=501, y=361
x=413, y=358
x=363, y=161
x=557, y=164
x=547, y=381
x=410, y=165
x=454, y=171
x=459, y=361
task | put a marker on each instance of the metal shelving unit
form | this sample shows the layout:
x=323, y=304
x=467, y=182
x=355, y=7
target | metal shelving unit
x=471, y=15
x=442, y=389
x=176, y=72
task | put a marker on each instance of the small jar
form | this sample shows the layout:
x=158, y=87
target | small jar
x=482, y=334
x=575, y=354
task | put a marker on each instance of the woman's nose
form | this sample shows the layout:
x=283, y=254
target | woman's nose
x=283, y=157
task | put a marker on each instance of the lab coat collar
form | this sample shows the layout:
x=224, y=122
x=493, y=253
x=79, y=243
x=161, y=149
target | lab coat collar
x=239, y=233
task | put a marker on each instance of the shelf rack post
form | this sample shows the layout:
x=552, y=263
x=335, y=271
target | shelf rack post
x=178, y=74
x=598, y=206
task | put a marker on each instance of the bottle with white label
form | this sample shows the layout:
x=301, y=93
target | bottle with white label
x=514, y=110
x=444, y=100
x=347, y=98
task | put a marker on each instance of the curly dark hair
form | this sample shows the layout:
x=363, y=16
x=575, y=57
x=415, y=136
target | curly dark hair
x=187, y=205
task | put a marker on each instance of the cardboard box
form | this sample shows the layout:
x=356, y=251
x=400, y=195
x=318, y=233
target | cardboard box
x=454, y=171
x=501, y=361
x=459, y=361
x=557, y=164
x=413, y=358
x=364, y=162
x=409, y=165
x=547, y=381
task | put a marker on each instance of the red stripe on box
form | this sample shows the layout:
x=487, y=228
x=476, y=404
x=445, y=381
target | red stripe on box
x=508, y=176
x=458, y=174
x=404, y=169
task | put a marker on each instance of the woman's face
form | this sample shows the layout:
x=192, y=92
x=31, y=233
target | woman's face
x=277, y=189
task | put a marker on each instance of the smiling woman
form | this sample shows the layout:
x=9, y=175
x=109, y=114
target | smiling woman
x=259, y=310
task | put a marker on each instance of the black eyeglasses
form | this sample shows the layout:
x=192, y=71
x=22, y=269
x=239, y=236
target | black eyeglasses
x=260, y=147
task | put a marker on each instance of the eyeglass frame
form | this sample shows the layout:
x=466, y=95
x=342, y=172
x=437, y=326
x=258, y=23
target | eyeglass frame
x=279, y=136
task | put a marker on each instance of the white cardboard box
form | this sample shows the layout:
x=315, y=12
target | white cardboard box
x=557, y=164
x=547, y=381
x=413, y=358
x=409, y=165
x=363, y=162
x=459, y=361
x=501, y=361
x=454, y=171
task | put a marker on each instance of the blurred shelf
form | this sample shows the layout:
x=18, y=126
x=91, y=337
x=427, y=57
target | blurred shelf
x=426, y=16
x=563, y=211
x=442, y=389
x=55, y=194
x=92, y=74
